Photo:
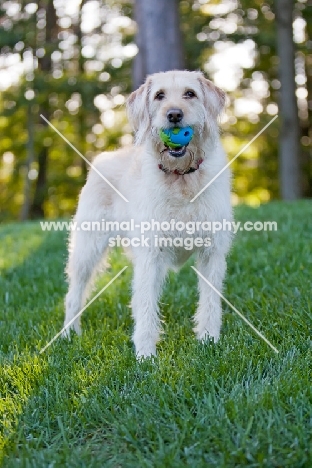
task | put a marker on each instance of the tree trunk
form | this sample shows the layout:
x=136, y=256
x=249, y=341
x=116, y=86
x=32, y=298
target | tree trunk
x=158, y=38
x=30, y=158
x=81, y=117
x=307, y=129
x=289, y=145
x=45, y=67
x=37, y=207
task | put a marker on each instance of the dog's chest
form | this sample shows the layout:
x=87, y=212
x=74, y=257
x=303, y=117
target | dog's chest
x=176, y=209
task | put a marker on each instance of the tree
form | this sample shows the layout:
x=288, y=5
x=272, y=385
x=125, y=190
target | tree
x=289, y=145
x=158, y=38
x=45, y=66
x=90, y=75
x=307, y=121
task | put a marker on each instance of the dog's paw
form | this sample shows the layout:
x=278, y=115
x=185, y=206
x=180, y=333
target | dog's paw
x=74, y=327
x=208, y=334
x=65, y=334
x=146, y=352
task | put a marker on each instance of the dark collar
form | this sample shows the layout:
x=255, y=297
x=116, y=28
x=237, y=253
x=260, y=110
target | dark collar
x=177, y=172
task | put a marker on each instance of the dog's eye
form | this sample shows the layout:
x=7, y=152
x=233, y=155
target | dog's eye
x=189, y=94
x=159, y=95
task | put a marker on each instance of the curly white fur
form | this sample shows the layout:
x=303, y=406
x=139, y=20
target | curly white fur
x=154, y=194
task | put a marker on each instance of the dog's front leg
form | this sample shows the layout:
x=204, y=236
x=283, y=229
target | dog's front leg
x=86, y=252
x=149, y=274
x=208, y=317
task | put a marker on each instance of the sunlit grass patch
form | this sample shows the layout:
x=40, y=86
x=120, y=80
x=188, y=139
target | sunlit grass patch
x=89, y=403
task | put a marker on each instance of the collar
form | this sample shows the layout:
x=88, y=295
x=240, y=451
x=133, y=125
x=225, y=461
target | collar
x=177, y=172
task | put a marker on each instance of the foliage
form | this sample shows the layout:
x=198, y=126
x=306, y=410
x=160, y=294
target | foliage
x=216, y=24
x=91, y=74
x=76, y=95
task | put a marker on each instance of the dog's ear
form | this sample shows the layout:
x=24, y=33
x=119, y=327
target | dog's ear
x=138, y=110
x=215, y=98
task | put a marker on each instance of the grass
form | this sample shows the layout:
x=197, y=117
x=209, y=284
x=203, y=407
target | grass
x=88, y=403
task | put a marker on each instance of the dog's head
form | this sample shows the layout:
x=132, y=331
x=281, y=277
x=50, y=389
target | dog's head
x=175, y=99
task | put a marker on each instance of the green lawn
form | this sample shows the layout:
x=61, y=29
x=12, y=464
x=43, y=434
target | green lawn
x=88, y=403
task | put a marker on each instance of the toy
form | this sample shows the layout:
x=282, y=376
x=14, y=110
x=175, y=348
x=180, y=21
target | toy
x=176, y=137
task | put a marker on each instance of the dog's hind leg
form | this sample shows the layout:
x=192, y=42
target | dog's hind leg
x=208, y=317
x=149, y=274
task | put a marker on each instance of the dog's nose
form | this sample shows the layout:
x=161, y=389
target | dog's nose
x=175, y=115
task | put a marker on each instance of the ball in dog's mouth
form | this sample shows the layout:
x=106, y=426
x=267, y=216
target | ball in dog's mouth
x=177, y=152
x=176, y=140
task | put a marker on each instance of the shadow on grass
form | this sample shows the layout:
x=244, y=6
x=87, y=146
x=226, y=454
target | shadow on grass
x=88, y=403
x=32, y=285
x=34, y=288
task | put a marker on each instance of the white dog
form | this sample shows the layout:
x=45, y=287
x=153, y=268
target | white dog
x=159, y=182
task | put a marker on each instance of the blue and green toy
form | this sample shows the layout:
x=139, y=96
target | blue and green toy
x=176, y=137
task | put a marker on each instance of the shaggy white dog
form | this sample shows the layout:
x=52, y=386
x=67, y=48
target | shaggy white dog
x=159, y=183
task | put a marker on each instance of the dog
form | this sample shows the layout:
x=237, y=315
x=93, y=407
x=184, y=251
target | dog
x=158, y=183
